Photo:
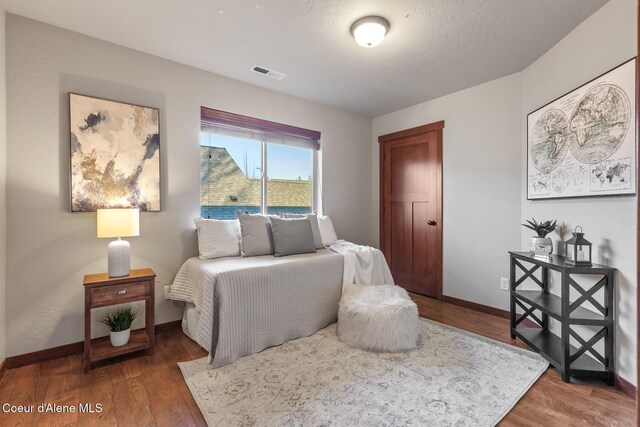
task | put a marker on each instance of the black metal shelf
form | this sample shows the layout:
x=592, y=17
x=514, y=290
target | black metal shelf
x=549, y=346
x=558, y=350
x=552, y=305
x=559, y=263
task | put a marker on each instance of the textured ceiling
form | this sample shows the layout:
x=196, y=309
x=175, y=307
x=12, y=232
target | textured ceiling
x=434, y=47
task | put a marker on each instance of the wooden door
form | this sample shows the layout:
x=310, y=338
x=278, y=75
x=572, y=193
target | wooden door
x=411, y=207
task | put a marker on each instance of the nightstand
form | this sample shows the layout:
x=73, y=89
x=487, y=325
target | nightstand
x=100, y=290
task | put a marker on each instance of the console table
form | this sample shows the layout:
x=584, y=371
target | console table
x=558, y=350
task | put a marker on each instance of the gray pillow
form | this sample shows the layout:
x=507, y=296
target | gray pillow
x=315, y=228
x=292, y=236
x=255, y=231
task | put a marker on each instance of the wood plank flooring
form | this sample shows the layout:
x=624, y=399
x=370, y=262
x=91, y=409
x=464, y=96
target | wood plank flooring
x=141, y=390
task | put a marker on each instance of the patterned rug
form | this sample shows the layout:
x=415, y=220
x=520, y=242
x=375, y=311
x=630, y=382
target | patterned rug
x=454, y=378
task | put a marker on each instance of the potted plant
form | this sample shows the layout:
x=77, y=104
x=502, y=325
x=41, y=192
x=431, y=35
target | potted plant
x=119, y=324
x=541, y=244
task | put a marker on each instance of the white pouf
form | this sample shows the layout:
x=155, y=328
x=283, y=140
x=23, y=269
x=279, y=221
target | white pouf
x=378, y=318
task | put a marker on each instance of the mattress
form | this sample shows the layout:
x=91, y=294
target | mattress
x=245, y=305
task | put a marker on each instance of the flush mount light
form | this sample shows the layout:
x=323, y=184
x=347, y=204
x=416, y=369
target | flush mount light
x=370, y=30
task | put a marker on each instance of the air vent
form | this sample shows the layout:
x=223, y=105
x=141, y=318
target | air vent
x=269, y=73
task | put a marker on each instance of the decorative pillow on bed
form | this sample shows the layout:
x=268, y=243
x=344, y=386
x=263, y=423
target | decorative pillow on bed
x=317, y=238
x=218, y=238
x=256, y=235
x=292, y=236
x=327, y=232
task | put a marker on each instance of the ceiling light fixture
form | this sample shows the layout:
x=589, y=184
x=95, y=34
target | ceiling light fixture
x=370, y=30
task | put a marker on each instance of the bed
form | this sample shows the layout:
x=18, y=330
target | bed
x=238, y=306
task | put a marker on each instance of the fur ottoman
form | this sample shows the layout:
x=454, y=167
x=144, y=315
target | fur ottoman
x=378, y=318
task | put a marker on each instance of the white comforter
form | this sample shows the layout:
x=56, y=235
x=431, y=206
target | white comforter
x=249, y=304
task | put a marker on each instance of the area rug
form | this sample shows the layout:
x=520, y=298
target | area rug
x=454, y=378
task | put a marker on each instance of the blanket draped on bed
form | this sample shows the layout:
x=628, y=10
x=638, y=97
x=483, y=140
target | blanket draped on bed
x=249, y=304
x=363, y=265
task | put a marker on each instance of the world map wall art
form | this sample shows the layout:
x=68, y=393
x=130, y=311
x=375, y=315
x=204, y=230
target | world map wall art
x=115, y=155
x=583, y=144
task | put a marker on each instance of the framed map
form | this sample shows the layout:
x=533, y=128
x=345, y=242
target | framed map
x=583, y=144
x=115, y=155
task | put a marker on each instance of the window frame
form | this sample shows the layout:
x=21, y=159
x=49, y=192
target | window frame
x=217, y=119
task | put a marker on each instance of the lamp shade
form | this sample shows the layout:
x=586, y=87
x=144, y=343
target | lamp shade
x=118, y=222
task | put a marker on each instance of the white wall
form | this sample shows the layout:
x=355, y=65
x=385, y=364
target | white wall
x=481, y=183
x=3, y=182
x=603, y=41
x=50, y=249
x=485, y=186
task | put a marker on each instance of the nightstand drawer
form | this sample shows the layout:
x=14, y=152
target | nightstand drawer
x=115, y=294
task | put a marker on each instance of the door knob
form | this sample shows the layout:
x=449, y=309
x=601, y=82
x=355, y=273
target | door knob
x=432, y=222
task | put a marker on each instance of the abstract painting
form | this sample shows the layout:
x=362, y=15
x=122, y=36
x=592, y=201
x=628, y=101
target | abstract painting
x=115, y=155
x=583, y=143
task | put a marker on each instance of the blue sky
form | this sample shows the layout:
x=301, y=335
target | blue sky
x=283, y=162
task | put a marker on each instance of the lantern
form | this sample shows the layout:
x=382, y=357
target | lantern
x=578, y=249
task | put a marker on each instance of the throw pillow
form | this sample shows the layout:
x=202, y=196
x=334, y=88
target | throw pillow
x=256, y=235
x=217, y=238
x=292, y=236
x=327, y=232
x=317, y=238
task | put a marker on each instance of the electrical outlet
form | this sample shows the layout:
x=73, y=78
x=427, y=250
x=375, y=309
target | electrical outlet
x=166, y=292
x=504, y=283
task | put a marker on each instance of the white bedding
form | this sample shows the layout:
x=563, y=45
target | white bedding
x=248, y=304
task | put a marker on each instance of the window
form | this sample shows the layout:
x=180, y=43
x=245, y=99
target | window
x=255, y=166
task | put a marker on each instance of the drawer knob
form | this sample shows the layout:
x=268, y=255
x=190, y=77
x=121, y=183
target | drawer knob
x=121, y=292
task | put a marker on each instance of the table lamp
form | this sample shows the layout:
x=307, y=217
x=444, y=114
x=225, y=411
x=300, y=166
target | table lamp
x=119, y=223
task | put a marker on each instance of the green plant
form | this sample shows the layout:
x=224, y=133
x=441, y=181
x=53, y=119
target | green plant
x=120, y=319
x=541, y=228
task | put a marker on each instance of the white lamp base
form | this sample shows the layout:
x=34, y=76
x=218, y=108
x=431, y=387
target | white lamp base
x=119, y=258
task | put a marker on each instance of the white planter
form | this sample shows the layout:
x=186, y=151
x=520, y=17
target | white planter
x=120, y=338
x=541, y=246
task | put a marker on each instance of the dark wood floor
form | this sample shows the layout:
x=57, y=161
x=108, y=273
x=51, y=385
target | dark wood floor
x=149, y=390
